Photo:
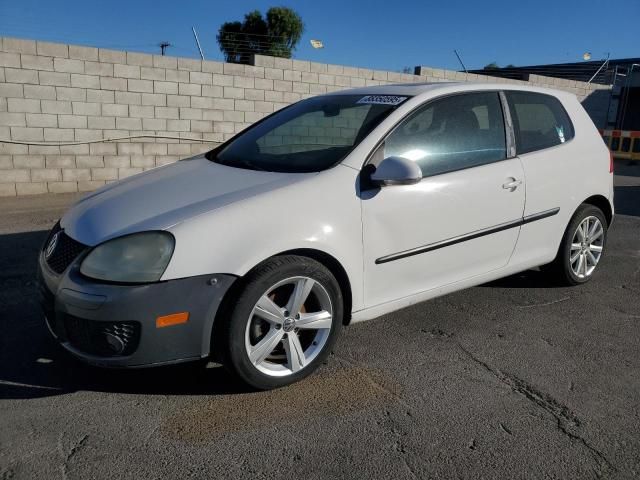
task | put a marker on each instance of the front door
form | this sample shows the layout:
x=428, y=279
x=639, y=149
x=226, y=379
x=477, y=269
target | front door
x=462, y=219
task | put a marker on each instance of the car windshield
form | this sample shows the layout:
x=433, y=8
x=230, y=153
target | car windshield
x=309, y=136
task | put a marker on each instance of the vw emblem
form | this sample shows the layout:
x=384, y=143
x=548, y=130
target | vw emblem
x=51, y=246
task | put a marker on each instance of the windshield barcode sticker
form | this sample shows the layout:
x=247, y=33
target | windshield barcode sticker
x=382, y=99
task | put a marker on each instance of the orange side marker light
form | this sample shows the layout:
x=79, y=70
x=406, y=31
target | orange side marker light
x=173, y=319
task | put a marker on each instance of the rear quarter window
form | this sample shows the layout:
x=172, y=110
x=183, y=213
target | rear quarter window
x=540, y=121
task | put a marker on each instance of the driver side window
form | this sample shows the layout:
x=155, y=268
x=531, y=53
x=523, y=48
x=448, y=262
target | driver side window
x=454, y=133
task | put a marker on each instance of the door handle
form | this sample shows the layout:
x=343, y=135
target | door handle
x=512, y=184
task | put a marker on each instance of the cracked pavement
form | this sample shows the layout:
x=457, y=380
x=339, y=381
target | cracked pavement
x=513, y=379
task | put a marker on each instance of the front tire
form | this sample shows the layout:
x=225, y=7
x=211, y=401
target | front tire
x=582, y=247
x=284, y=323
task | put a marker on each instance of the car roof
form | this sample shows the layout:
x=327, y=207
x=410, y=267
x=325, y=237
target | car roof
x=417, y=89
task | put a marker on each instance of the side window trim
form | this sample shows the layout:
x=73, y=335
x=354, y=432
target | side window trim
x=515, y=124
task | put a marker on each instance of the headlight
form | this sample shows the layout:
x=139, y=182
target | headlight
x=138, y=258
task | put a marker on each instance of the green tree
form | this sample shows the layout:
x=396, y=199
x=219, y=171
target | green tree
x=276, y=35
x=491, y=66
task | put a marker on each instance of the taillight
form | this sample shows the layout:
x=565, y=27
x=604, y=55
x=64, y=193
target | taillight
x=610, y=162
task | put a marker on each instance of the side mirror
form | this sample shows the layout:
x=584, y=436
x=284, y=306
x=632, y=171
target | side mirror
x=396, y=171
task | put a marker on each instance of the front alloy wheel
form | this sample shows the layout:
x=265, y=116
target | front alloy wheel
x=283, y=322
x=586, y=247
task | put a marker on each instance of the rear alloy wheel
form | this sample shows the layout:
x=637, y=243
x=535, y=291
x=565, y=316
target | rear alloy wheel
x=582, y=247
x=284, y=323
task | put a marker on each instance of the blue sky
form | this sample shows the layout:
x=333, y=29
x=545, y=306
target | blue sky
x=374, y=33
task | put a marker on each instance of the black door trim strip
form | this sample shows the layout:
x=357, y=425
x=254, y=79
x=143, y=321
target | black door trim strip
x=468, y=236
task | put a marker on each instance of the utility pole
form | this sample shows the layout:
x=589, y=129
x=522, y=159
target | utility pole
x=163, y=46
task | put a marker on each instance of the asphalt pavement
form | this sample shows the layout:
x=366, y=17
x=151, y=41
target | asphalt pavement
x=513, y=379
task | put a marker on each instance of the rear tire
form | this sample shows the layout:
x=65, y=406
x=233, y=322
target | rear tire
x=283, y=323
x=581, y=248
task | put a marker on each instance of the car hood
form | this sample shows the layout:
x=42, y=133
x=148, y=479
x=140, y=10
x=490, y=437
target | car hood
x=162, y=197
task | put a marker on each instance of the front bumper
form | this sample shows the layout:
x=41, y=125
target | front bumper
x=114, y=325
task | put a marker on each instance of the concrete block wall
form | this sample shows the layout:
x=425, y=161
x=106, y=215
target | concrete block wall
x=64, y=109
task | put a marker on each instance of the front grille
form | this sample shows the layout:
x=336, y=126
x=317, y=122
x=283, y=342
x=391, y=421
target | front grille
x=105, y=339
x=65, y=250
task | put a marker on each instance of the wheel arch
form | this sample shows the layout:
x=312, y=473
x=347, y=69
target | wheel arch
x=601, y=202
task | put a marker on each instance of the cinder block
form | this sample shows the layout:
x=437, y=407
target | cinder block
x=190, y=113
x=201, y=78
x=233, y=115
x=165, y=87
x=114, y=110
x=202, y=102
x=180, y=149
x=44, y=150
x=212, y=67
x=101, y=122
x=224, y=127
x=222, y=80
x=125, y=148
x=27, y=134
x=70, y=93
x=189, y=64
x=267, y=107
x=189, y=89
x=273, y=96
x=90, y=161
x=111, y=83
x=117, y=161
x=31, y=188
x=143, y=161
x=181, y=76
x=68, y=65
x=46, y=175
x=144, y=86
x=252, y=94
x=155, y=99
x=263, y=83
x=15, y=176
x=58, y=134
x=9, y=60
x=3, y=104
x=112, y=56
x=163, y=61
x=88, y=135
x=99, y=96
x=82, y=81
x=150, y=73
x=129, y=98
x=263, y=61
x=18, y=75
x=291, y=97
x=79, y=149
x=60, y=161
x=141, y=59
x=13, y=119
x=140, y=111
x=357, y=82
x=342, y=81
x=11, y=90
x=309, y=77
x=233, y=92
x=126, y=71
x=104, y=173
x=201, y=126
x=98, y=68
x=282, y=86
x=215, y=115
x=254, y=71
x=40, y=92
x=274, y=73
x=222, y=104
x=318, y=67
x=123, y=123
x=154, y=124
x=41, y=120
x=52, y=49
x=243, y=82
x=34, y=62
x=233, y=69
x=178, y=125
x=72, y=121
x=56, y=78
x=155, y=148
x=76, y=174
x=28, y=161
x=18, y=45
x=83, y=53
x=178, y=101
x=304, y=87
x=84, y=108
x=7, y=189
x=167, y=112
x=335, y=69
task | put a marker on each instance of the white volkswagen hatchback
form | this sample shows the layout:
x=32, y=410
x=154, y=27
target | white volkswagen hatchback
x=337, y=209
